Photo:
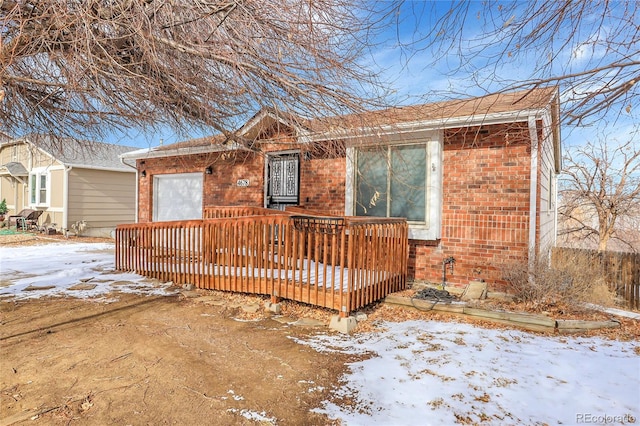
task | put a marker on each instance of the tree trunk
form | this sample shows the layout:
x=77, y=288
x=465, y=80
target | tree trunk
x=604, y=239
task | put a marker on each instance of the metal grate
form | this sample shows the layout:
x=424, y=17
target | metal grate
x=318, y=225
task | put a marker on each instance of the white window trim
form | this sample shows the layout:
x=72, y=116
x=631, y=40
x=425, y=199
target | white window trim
x=38, y=173
x=431, y=230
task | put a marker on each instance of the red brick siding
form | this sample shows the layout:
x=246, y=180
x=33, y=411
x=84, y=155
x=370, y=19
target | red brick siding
x=145, y=201
x=485, y=217
x=322, y=184
x=219, y=188
x=322, y=178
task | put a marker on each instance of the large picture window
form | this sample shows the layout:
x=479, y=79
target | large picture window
x=398, y=179
x=391, y=182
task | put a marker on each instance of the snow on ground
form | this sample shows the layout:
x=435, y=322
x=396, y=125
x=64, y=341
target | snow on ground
x=67, y=269
x=413, y=372
x=434, y=373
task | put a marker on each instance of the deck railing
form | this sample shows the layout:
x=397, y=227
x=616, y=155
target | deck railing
x=216, y=212
x=348, y=265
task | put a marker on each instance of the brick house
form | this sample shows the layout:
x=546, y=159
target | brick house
x=476, y=178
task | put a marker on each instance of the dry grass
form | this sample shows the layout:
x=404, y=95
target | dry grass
x=541, y=287
x=28, y=238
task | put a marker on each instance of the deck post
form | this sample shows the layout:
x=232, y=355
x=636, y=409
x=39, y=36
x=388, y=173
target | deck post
x=273, y=305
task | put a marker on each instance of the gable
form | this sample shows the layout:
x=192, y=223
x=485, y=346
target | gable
x=267, y=124
x=46, y=151
x=25, y=154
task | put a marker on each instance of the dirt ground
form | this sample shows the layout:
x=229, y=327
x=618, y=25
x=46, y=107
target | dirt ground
x=156, y=360
x=187, y=359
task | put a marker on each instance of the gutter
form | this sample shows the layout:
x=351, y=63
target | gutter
x=189, y=150
x=107, y=169
x=434, y=124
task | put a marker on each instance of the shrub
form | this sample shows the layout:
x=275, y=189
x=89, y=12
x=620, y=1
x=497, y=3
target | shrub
x=576, y=282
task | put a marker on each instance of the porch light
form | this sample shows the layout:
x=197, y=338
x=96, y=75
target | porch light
x=208, y=170
x=144, y=173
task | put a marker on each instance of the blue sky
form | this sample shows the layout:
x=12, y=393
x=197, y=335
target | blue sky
x=403, y=59
x=468, y=69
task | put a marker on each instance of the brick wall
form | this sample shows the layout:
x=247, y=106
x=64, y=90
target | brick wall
x=485, y=217
x=322, y=178
x=322, y=183
x=219, y=188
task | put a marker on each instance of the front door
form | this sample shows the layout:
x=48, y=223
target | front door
x=283, y=180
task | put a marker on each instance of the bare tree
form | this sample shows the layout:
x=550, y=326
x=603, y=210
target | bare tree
x=84, y=67
x=591, y=49
x=600, y=194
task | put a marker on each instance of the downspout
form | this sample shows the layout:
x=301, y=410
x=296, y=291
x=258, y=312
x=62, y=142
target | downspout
x=533, y=192
x=65, y=199
x=26, y=195
x=137, y=185
x=350, y=179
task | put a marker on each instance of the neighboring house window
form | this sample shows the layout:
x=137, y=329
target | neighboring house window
x=398, y=180
x=39, y=188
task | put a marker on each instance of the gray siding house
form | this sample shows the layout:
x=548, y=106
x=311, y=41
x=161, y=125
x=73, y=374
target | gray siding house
x=70, y=181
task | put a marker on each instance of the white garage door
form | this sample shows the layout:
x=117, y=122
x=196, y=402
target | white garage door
x=177, y=197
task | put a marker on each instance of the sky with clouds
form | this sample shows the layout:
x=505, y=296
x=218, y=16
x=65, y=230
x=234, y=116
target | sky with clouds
x=462, y=66
x=483, y=56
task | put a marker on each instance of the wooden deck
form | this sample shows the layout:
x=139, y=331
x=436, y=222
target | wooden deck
x=341, y=263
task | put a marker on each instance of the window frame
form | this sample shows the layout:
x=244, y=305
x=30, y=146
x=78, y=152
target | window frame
x=35, y=187
x=430, y=229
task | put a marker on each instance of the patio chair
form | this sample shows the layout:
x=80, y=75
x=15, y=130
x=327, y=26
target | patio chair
x=26, y=219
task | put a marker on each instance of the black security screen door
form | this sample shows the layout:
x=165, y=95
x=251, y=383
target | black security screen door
x=284, y=181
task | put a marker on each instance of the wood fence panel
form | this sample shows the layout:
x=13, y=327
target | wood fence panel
x=621, y=271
